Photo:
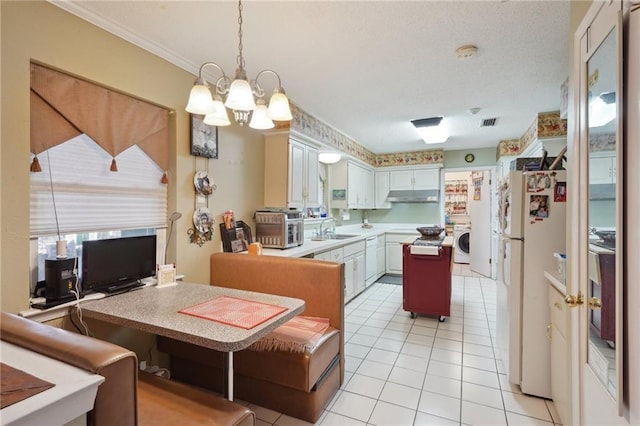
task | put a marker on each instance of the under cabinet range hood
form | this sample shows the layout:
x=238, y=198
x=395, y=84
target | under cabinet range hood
x=414, y=196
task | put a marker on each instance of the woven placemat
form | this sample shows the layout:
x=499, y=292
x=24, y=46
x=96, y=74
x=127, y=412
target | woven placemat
x=233, y=311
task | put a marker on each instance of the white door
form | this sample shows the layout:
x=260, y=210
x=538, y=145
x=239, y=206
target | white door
x=480, y=215
x=599, y=367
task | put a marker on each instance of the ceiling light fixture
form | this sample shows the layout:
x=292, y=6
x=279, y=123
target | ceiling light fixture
x=329, y=157
x=432, y=130
x=239, y=96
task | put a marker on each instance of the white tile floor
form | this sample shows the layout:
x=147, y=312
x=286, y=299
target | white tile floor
x=403, y=371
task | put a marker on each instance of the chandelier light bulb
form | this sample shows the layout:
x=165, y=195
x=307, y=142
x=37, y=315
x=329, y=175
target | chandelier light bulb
x=200, y=100
x=219, y=117
x=279, y=109
x=260, y=117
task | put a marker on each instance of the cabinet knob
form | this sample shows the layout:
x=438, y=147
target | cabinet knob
x=573, y=301
x=595, y=303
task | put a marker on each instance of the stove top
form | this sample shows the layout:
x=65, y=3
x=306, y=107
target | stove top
x=435, y=242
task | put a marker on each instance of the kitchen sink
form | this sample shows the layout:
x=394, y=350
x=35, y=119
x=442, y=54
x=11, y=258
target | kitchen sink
x=332, y=237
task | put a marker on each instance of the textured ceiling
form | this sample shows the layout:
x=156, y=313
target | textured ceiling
x=367, y=68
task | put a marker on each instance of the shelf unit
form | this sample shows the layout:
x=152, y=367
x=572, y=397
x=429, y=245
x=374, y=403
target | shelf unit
x=455, y=197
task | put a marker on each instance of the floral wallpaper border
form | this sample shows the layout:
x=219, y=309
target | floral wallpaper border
x=602, y=142
x=316, y=129
x=546, y=125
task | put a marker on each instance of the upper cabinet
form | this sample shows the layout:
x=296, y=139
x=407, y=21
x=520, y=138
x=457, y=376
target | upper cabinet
x=356, y=181
x=290, y=173
x=414, y=179
x=382, y=190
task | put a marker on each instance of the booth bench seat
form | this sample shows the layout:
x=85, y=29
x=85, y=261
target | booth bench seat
x=299, y=384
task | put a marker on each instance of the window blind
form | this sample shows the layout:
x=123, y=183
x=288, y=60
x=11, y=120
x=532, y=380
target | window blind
x=76, y=192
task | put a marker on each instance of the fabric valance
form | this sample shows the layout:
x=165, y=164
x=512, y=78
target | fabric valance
x=63, y=106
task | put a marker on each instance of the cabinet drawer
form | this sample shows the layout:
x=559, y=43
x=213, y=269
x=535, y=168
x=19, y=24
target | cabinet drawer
x=351, y=249
x=337, y=255
x=558, y=310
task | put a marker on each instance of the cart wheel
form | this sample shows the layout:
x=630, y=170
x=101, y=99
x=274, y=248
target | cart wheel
x=412, y=315
x=441, y=319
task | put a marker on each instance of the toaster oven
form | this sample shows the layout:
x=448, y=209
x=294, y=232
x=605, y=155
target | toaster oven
x=279, y=229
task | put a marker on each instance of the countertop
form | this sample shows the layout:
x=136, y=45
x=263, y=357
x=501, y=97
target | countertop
x=360, y=234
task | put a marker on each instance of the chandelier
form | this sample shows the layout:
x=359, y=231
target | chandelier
x=245, y=98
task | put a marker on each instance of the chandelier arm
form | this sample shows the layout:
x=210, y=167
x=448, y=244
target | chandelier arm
x=213, y=64
x=279, y=88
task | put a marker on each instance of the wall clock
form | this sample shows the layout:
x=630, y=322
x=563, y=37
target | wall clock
x=469, y=158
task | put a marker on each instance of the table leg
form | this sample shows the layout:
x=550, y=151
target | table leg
x=230, y=376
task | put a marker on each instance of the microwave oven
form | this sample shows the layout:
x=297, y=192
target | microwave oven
x=279, y=229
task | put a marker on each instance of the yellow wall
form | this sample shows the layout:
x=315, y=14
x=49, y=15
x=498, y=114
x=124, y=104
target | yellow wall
x=42, y=32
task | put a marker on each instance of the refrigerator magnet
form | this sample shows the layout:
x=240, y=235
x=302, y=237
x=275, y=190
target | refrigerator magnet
x=539, y=206
x=560, y=192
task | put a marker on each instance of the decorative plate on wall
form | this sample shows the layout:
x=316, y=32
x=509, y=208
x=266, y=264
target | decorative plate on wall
x=203, y=220
x=202, y=183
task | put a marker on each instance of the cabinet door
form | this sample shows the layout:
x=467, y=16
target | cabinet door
x=368, y=187
x=426, y=179
x=359, y=273
x=382, y=190
x=353, y=186
x=401, y=180
x=296, y=175
x=381, y=259
x=349, y=277
x=394, y=258
x=312, y=177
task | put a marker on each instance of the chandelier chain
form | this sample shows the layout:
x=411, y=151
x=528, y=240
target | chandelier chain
x=240, y=59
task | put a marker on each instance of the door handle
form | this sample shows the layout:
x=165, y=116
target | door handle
x=573, y=301
x=595, y=303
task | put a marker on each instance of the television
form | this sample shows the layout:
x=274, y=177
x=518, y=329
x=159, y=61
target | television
x=116, y=263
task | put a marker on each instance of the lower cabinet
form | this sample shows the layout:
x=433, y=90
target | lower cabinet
x=381, y=258
x=353, y=257
x=394, y=251
x=560, y=366
x=354, y=269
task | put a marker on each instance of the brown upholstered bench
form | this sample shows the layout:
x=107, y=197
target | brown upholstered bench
x=296, y=384
x=125, y=397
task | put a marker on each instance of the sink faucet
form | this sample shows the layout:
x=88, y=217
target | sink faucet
x=320, y=232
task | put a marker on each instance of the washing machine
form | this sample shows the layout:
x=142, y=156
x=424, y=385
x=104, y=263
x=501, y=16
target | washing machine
x=461, y=234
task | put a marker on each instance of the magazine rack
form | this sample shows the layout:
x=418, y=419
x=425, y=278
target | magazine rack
x=236, y=239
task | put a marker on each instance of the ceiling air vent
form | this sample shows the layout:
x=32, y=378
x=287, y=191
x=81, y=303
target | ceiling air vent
x=488, y=122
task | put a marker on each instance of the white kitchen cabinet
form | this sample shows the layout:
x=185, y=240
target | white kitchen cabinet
x=381, y=190
x=291, y=173
x=381, y=259
x=560, y=366
x=414, y=179
x=394, y=252
x=602, y=169
x=354, y=269
x=357, y=181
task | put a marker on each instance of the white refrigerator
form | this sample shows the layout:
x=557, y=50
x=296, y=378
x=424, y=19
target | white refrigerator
x=532, y=216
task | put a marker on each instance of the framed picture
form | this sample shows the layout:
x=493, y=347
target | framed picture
x=204, y=138
x=339, y=194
